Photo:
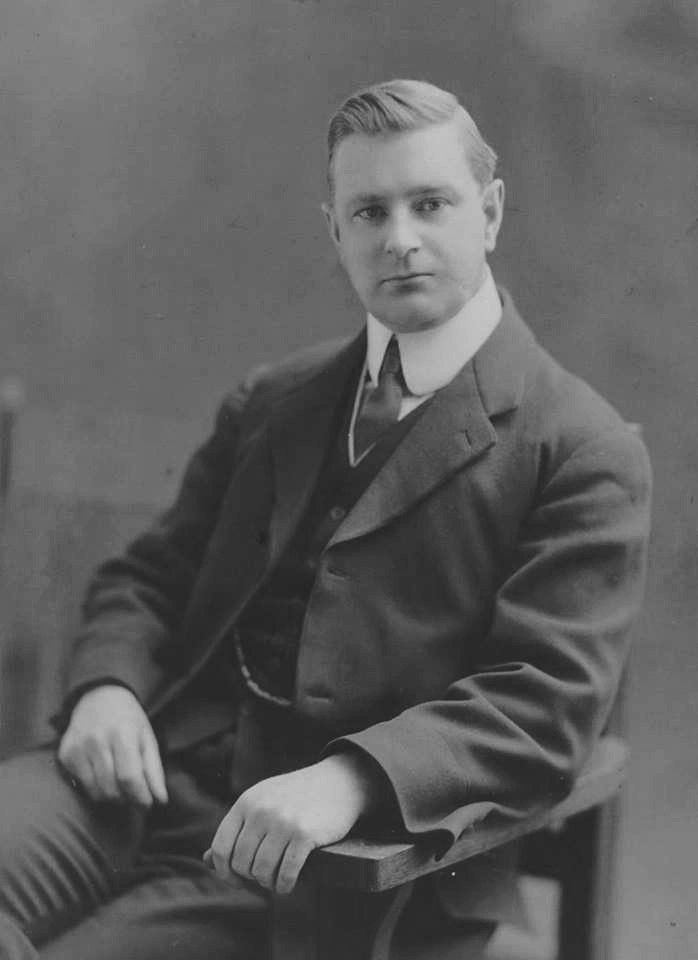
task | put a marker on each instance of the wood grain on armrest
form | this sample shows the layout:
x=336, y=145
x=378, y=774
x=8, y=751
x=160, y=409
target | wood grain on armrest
x=358, y=864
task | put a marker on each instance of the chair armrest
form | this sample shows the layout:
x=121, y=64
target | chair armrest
x=356, y=864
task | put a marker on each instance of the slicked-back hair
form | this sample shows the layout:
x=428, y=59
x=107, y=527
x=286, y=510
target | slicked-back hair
x=397, y=106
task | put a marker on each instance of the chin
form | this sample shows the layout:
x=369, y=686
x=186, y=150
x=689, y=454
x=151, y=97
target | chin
x=412, y=321
x=407, y=318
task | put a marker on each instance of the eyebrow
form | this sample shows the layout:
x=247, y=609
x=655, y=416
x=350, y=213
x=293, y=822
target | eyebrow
x=421, y=191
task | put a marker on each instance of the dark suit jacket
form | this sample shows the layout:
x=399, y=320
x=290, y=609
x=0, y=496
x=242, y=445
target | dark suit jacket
x=469, y=620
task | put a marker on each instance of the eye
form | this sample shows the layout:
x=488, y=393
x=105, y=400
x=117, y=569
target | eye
x=431, y=205
x=371, y=213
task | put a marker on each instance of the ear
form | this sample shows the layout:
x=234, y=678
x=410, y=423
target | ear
x=332, y=225
x=493, y=209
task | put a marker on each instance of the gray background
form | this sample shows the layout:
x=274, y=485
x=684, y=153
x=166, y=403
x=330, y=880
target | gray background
x=162, y=171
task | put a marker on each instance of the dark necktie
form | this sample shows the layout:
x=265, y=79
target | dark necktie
x=381, y=404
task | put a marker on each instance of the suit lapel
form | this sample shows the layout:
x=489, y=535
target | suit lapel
x=301, y=432
x=454, y=430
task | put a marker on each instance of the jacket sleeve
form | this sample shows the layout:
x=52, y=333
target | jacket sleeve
x=135, y=602
x=512, y=736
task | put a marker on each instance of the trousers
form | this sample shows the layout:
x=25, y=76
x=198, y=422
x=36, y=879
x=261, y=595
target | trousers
x=81, y=880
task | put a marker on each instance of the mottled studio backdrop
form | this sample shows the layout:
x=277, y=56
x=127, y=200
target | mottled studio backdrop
x=162, y=170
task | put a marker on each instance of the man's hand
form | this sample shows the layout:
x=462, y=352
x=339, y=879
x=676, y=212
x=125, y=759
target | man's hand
x=269, y=832
x=111, y=749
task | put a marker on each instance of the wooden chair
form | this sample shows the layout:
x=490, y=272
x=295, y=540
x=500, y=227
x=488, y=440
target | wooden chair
x=573, y=842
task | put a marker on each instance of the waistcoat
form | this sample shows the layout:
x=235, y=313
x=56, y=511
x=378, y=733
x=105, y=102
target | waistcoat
x=269, y=629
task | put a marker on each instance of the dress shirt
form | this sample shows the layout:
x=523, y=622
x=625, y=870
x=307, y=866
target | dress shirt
x=430, y=358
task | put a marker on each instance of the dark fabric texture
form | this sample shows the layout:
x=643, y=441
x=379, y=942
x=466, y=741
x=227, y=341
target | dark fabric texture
x=469, y=617
x=269, y=629
x=80, y=880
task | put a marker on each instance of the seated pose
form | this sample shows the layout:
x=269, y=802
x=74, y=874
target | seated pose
x=395, y=585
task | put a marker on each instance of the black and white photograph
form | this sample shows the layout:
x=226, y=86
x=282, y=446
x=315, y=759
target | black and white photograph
x=348, y=465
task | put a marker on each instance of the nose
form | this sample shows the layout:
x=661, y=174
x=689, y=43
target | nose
x=402, y=237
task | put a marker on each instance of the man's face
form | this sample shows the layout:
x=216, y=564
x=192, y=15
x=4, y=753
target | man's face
x=411, y=224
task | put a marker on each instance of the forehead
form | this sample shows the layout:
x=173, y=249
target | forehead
x=389, y=163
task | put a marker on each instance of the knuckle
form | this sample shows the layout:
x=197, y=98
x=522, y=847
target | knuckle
x=125, y=745
x=285, y=821
x=302, y=834
x=261, y=820
x=118, y=740
x=252, y=804
x=92, y=737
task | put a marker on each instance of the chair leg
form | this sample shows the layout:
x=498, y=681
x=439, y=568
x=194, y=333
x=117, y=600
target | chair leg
x=587, y=878
x=384, y=933
x=318, y=924
x=360, y=926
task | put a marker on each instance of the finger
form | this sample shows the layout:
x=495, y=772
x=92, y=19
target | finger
x=266, y=860
x=224, y=841
x=244, y=849
x=152, y=765
x=102, y=764
x=128, y=769
x=292, y=863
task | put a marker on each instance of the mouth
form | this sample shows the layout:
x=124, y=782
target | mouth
x=403, y=277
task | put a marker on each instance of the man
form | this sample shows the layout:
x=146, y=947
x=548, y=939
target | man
x=396, y=583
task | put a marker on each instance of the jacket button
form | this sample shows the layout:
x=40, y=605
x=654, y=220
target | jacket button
x=338, y=513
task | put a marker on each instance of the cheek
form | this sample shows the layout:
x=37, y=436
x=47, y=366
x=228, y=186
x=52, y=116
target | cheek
x=465, y=256
x=360, y=262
